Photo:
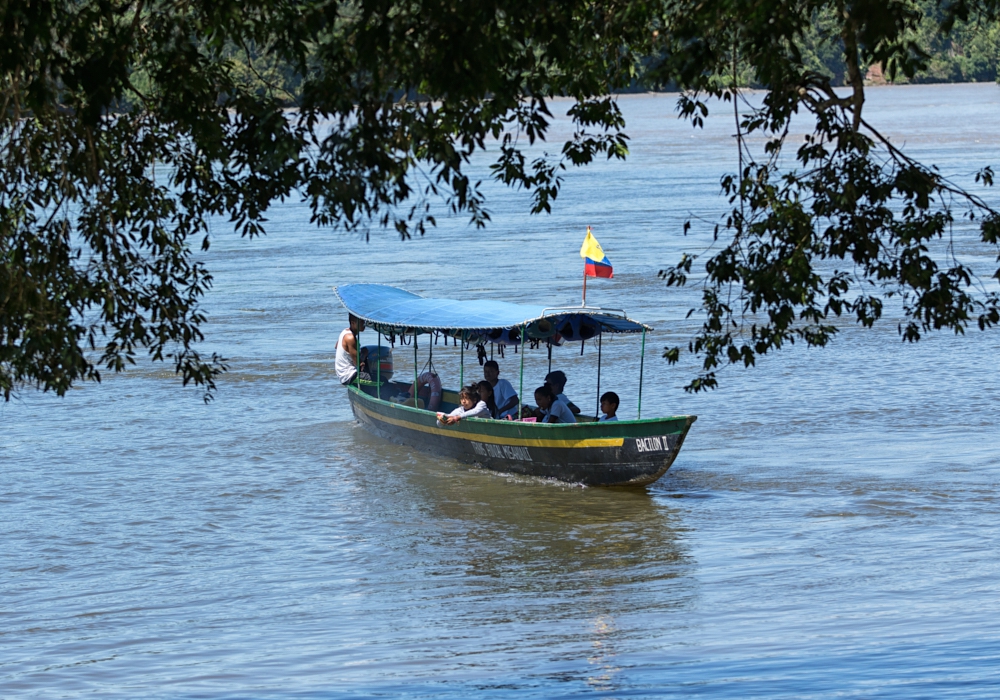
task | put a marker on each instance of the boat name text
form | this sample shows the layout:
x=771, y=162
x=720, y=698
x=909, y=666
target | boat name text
x=502, y=451
x=652, y=444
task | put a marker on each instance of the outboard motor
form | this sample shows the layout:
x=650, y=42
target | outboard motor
x=379, y=366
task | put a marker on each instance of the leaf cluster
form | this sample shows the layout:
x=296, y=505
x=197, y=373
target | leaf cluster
x=126, y=124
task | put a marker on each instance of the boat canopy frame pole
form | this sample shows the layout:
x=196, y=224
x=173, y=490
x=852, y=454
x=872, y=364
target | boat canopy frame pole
x=461, y=363
x=642, y=360
x=520, y=391
x=597, y=413
x=378, y=367
x=416, y=389
x=357, y=358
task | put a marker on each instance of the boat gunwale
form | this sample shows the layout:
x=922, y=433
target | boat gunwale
x=492, y=421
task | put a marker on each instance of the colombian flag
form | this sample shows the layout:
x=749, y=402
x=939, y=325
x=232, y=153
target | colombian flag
x=597, y=263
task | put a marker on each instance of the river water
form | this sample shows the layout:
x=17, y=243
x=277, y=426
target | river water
x=830, y=528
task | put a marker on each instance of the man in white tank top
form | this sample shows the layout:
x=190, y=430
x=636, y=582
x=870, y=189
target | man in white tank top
x=346, y=363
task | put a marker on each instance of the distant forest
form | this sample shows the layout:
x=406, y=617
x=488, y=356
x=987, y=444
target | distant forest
x=969, y=53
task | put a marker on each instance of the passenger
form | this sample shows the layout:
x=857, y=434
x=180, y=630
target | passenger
x=346, y=362
x=428, y=389
x=551, y=407
x=503, y=393
x=471, y=407
x=486, y=394
x=609, y=404
x=557, y=380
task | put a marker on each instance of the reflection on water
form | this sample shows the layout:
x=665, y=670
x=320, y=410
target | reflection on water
x=603, y=658
x=829, y=529
x=530, y=552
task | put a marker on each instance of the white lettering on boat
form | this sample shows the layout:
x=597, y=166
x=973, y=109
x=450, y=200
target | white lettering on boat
x=502, y=451
x=652, y=444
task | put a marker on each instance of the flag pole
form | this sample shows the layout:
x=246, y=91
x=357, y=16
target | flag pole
x=584, y=284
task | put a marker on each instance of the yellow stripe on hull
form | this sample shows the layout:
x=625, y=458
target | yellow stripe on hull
x=492, y=439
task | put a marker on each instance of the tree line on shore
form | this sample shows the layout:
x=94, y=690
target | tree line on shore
x=969, y=52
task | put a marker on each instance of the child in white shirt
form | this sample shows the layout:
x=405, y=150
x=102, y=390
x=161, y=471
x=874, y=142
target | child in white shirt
x=552, y=408
x=471, y=407
x=609, y=404
x=557, y=380
x=503, y=393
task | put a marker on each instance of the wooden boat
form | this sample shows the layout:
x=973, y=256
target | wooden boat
x=620, y=453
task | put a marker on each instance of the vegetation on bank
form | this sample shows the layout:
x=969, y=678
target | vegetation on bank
x=969, y=52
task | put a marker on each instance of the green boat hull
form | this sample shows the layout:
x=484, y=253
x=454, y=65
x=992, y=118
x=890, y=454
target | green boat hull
x=625, y=453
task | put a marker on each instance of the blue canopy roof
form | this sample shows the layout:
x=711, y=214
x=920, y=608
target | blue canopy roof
x=390, y=309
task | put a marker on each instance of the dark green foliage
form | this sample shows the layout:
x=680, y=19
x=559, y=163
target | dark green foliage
x=969, y=51
x=125, y=125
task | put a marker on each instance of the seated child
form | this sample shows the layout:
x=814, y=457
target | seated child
x=552, y=408
x=557, y=380
x=471, y=407
x=486, y=394
x=503, y=392
x=609, y=404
